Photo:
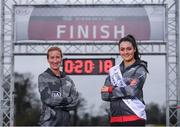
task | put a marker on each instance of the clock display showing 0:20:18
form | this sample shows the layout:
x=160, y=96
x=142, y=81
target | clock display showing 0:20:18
x=87, y=66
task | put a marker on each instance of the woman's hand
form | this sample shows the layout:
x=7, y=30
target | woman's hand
x=105, y=89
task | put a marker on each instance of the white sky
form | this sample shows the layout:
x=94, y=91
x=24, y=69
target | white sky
x=89, y=86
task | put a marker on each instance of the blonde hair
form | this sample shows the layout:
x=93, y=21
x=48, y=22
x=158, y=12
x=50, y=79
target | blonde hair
x=54, y=49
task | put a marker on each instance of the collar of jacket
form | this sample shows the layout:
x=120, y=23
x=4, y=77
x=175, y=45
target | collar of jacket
x=62, y=74
x=137, y=62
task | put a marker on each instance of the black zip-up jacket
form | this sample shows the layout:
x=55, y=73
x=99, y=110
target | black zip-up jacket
x=58, y=96
x=134, y=77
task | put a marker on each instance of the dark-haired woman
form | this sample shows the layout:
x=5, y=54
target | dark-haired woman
x=124, y=86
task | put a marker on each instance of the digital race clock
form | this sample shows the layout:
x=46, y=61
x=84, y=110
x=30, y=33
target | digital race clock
x=87, y=66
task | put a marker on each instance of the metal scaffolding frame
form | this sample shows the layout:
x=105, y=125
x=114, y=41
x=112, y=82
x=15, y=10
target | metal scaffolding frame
x=8, y=49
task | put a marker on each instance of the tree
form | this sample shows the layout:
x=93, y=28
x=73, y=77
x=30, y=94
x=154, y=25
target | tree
x=155, y=114
x=26, y=100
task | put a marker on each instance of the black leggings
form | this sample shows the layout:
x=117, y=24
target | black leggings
x=130, y=123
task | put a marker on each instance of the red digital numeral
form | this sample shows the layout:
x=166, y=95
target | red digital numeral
x=107, y=65
x=88, y=66
x=100, y=66
x=68, y=66
x=78, y=66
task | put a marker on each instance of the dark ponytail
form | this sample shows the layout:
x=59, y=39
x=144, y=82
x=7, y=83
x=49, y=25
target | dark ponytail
x=132, y=40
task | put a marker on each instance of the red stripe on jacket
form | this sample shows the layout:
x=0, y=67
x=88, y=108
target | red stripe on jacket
x=124, y=118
